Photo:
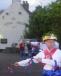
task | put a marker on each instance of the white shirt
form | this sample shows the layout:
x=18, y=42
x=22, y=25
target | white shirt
x=49, y=63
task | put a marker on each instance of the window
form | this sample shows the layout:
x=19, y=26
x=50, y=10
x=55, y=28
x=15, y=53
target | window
x=7, y=13
x=19, y=13
x=2, y=17
x=4, y=41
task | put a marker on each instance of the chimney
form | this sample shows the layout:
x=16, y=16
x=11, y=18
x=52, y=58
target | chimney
x=26, y=5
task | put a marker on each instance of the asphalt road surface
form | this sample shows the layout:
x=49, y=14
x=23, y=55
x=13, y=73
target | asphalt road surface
x=6, y=69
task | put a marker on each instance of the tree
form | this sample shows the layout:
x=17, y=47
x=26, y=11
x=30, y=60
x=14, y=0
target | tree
x=37, y=23
x=55, y=18
x=44, y=20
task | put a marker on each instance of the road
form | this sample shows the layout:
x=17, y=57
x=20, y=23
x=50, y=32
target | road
x=7, y=70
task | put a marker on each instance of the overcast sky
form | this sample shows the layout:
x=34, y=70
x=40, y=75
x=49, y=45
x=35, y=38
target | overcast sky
x=5, y=4
x=33, y=3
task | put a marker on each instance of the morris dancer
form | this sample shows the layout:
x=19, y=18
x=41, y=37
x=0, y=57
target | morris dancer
x=50, y=57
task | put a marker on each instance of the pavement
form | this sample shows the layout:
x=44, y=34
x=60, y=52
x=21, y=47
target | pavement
x=6, y=69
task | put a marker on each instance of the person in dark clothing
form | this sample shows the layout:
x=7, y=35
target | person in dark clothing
x=29, y=48
x=21, y=48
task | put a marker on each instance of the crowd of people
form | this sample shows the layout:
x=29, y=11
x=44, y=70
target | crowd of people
x=31, y=48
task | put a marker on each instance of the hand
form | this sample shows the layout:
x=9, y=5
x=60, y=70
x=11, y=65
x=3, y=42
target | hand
x=16, y=64
x=39, y=60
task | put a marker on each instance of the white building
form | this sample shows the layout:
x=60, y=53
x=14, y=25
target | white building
x=12, y=23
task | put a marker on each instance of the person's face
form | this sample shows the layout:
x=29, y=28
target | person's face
x=49, y=43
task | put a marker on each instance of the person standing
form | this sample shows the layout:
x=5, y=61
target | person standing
x=29, y=48
x=21, y=48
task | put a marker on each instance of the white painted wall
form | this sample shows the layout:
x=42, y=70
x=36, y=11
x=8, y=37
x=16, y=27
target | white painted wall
x=12, y=25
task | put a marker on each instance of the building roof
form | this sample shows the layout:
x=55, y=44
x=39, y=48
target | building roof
x=23, y=5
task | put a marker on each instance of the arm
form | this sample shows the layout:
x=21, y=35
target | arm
x=29, y=61
x=23, y=62
x=36, y=59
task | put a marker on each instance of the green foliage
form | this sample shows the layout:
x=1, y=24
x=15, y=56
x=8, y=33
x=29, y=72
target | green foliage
x=44, y=20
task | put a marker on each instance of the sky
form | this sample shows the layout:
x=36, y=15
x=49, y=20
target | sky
x=4, y=4
x=34, y=3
